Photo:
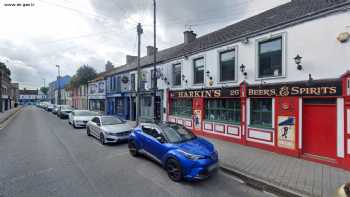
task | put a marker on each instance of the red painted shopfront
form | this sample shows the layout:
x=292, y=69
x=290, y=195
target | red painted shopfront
x=307, y=119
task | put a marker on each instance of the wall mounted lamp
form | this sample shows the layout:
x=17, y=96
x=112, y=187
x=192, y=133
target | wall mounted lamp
x=243, y=71
x=297, y=60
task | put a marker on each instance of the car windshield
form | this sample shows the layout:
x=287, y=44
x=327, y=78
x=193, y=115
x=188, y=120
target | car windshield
x=64, y=107
x=177, y=134
x=85, y=113
x=109, y=120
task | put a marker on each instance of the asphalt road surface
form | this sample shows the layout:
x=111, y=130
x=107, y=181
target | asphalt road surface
x=41, y=155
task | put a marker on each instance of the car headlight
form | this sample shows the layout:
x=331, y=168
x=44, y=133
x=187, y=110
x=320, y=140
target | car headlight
x=108, y=133
x=191, y=156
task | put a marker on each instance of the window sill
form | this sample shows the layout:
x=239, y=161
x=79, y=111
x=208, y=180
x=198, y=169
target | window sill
x=260, y=127
x=227, y=82
x=269, y=78
x=223, y=122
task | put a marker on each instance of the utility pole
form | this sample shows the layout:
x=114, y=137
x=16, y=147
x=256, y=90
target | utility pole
x=59, y=85
x=138, y=100
x=155, y=118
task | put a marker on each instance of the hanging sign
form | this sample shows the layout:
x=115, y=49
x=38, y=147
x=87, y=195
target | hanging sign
x=286, y=132
x=313, y=88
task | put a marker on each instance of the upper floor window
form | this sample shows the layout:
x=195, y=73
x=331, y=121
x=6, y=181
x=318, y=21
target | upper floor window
x=227, y=65
x=177, y=74
x=270, y=58
x=118, y=83
x=133, y=82
x=152, y=78
x=198, y=70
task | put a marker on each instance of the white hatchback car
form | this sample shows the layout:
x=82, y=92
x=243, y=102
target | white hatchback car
x=79, y=118
x=108, y=129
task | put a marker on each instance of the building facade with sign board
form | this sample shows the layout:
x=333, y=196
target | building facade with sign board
x=273, y=81
x=97, y=95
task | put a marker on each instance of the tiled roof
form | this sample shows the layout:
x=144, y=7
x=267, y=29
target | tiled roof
x=295, y=11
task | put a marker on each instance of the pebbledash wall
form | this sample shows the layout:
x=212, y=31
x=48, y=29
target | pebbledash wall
x=309, y=113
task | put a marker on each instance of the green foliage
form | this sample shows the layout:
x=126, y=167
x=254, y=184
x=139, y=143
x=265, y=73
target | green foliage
x=44, y=90
x=83, y=75
x=4, y=68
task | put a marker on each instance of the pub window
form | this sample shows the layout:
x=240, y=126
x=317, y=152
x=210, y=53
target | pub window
x=227, y=65
x=223, y=110
x=177, y=74
x=261, y=113
x=198, y=70
x=270, y=58
x=181, y=107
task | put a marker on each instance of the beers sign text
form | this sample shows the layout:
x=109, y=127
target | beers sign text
x=317, y=89
x=214, y=93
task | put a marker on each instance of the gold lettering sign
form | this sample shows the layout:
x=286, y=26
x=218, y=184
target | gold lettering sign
x=333, y=89
x=215, y=93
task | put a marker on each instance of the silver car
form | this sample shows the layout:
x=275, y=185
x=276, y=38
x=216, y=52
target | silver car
x=79, y=118
x=108, y=129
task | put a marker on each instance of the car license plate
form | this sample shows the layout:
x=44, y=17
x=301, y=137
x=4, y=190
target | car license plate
x=213, y=167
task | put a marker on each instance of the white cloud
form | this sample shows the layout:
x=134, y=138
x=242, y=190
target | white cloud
x=71, y=33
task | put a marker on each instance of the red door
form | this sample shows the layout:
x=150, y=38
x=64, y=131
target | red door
x=320, y=130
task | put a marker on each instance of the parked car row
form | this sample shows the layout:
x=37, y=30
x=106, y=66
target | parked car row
x=179, y=151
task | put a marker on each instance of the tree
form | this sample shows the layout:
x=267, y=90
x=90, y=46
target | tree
x=4, y=68
x=83, y=75
x=44, y=90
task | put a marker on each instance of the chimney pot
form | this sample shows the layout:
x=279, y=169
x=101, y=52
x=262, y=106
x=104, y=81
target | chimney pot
x=189, y=36
x=130, y=59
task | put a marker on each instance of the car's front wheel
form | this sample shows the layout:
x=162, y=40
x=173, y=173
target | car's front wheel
x=102, y=139
x=132, y=148
x=88, y=132
x=74, y=125
x=174, y=170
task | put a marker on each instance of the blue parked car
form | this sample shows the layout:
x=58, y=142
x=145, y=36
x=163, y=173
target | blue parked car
x=182, y=154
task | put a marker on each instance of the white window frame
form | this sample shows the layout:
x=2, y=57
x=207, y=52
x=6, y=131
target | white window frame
x=284, y=55
x=172, y=76
x=205, y=69
x=235, y=48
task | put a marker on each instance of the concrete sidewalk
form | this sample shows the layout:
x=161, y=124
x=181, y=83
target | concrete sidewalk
x=283, y=172
x=7, y=114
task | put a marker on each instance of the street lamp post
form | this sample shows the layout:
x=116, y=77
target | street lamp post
x=59, y=85
x=154, y=62
x=138, y=100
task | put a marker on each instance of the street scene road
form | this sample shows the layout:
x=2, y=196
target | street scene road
x=42, y=155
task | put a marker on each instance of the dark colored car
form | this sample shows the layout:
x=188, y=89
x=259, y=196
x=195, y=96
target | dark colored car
x=182, y=154
x=64, y=111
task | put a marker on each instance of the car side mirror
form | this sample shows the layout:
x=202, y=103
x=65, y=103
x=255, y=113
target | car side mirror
x=160, y=139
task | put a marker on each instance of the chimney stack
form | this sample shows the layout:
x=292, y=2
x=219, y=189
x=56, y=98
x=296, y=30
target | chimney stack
x=150, y=50
x=130, y=59
x=189, y=36
x=108, y=66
